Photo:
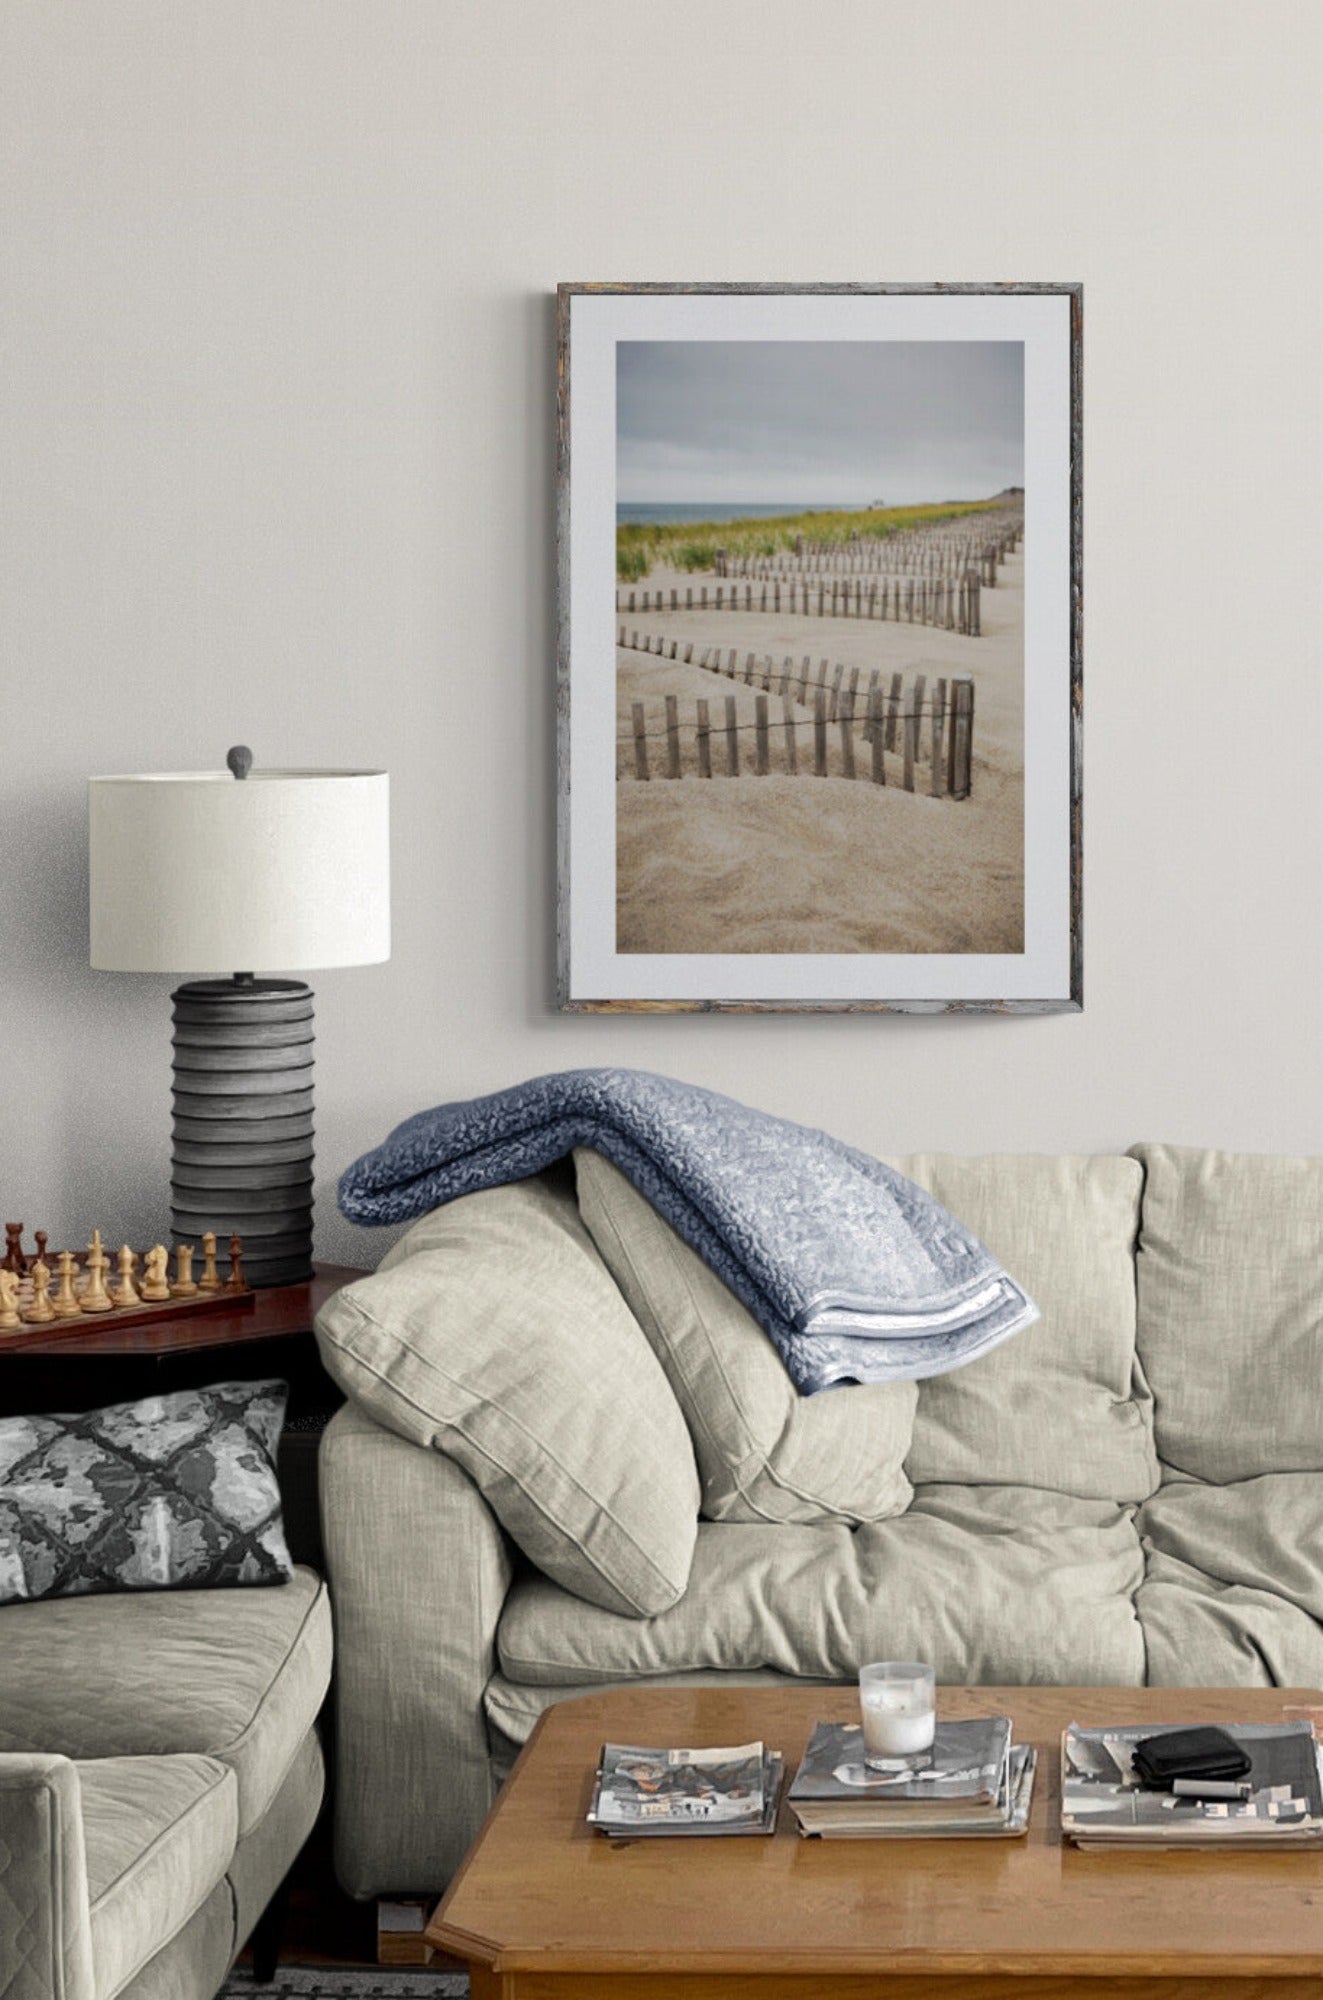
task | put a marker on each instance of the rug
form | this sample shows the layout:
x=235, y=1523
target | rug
x=309, y=1983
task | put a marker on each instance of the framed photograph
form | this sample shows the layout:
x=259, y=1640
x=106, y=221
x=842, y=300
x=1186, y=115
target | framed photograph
x=820, y=685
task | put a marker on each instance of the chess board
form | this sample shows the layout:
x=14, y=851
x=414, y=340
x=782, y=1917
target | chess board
x=230, y=1297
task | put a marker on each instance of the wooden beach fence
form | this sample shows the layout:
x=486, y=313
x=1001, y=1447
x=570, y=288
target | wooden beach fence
x=894, y=721
x=950, y=602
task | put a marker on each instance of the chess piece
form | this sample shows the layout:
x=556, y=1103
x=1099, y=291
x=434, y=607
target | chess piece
x=236, y=1281
x=96, y=1299
x=210, y=1281
x=155, y=1284
x=66, y=1299
x=15, y=1261
x=41, y=1310
x=41, y=1237
x=125, y=1292
x=8, y=1299
x=182, y=1286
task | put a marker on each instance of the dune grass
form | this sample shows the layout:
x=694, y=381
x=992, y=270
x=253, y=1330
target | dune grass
x=693, y=545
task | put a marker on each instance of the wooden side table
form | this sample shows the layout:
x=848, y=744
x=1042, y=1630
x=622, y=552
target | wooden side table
x=118, y=1364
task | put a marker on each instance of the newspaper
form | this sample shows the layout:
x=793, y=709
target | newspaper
x=645, y=1790
x=1103, y=1803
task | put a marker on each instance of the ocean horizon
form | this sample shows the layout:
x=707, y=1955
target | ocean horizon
x=661, y=513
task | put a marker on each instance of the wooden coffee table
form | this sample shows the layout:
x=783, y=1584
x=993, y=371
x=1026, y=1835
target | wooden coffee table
x=544, y=1909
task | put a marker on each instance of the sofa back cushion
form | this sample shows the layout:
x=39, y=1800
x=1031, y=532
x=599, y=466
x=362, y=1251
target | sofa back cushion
x=1062, y=1406
x=765, y=1453
x=494, y=1333
x=1230, y=1278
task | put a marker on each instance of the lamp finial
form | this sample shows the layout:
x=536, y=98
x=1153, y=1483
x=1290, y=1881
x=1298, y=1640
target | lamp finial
x=240, y=760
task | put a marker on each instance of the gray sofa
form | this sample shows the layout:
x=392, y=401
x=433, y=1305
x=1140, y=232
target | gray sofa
x=1130, y=1491
x=159, y=1771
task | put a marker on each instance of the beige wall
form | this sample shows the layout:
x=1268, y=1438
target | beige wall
x=276, y=453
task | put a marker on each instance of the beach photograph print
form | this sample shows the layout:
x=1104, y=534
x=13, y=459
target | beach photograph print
x=819, y=613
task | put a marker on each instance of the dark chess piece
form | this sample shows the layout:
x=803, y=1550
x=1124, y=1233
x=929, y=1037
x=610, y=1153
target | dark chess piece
x=14, y=1259
x=235, y=1282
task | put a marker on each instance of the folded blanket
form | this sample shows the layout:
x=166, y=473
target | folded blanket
x=854, y=1273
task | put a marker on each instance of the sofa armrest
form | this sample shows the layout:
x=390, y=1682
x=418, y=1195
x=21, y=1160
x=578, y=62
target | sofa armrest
x=45, y=1935
x=419, y=1570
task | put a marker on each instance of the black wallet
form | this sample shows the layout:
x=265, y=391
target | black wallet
x=1188, y=1753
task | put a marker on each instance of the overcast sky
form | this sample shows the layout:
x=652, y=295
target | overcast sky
x=846, y=422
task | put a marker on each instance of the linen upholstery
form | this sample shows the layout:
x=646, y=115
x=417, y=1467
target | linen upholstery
x=234, y=1674
x=421, y=1570
x=1063, y=1406
x=45, y=1935
x=494, y=1333
x=511, y=1708
x=262, y=1856
x=1230, y=1284
x=990, y=1584
x=193, y=1964
x=1118, y=1495
x=764, y=1452
x=159, y=1833
x=1233, y=1588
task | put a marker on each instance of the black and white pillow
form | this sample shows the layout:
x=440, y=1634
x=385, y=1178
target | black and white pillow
x=173, y=1492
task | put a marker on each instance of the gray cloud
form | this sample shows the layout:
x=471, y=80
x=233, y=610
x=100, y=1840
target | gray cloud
x=842, y=422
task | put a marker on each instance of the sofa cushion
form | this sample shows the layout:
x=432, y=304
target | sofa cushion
x=511, y=1708
x=153, y=1495
x=1230, y=1281
x=765, y=1453
x=1062, y=1406
x=1233, y=1594
x=494, y=1333
x=159, y=1833
x=989, y=1583
x=237, y=1675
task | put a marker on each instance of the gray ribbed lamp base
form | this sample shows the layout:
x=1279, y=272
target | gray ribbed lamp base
x=242, y=1155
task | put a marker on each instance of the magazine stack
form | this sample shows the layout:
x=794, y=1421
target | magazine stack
x=643, y=1793
x=1276, y=1802
x=977, y=1785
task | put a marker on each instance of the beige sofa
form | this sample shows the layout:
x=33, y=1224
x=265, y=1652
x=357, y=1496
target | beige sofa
x=1129, y=1491
x=159, y=1772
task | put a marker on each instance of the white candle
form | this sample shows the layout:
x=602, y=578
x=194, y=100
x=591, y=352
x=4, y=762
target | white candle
x=894, y=1726
x=898, y=1709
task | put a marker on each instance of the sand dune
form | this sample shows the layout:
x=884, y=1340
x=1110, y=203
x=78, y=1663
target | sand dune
x=778, y=864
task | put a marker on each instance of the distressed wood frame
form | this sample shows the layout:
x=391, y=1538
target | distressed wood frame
x=1072, y=1004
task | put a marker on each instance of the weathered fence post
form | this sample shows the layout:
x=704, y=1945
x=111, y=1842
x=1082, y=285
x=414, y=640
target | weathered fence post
x=834, y=706
x=939, y=712
x=788, y=718
x=874, y=733
x=893, y=710
x=672, y=737
x=913, y=720
x=847, y=734
x=819, y=734
x=962, y=736
x=760, y=734
x=704, y=740
x=640, y=741
x=732, y=738
x=730, y=665
x=748, y=670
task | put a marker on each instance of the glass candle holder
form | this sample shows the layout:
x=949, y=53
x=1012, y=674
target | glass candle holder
x=898, y=1709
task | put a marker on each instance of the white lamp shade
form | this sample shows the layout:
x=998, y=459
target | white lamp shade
x=201, y=872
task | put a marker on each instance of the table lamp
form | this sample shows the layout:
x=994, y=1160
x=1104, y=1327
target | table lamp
x=199, y=871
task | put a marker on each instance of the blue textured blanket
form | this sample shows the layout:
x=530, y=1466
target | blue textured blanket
x=854, y=1273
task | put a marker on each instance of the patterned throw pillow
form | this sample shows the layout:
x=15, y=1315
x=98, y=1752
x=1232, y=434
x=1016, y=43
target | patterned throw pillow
x=173, y=1492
